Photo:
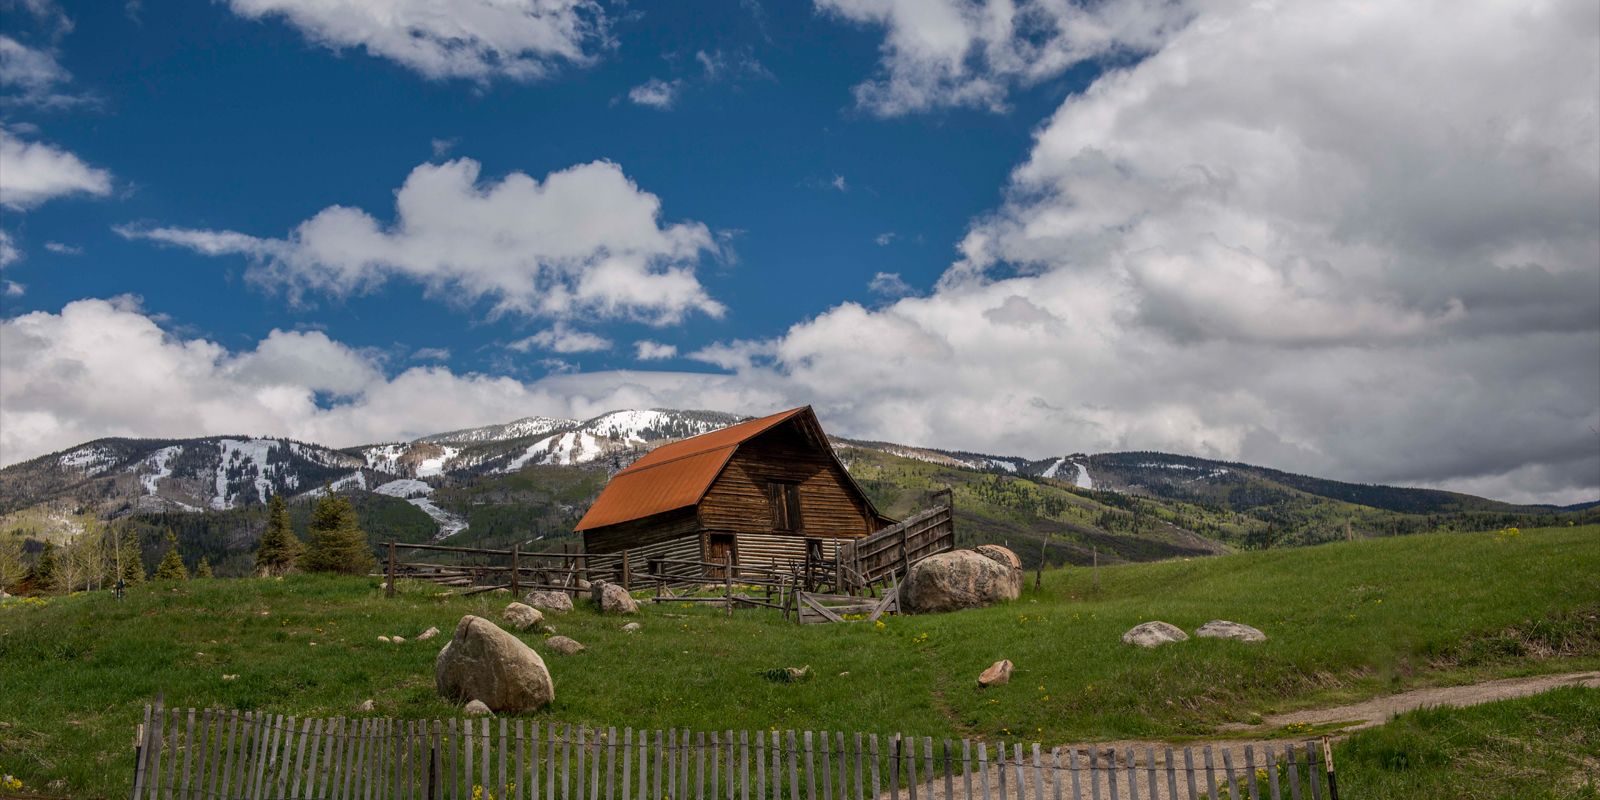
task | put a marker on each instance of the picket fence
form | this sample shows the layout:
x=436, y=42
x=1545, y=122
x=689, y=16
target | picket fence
x=184, y=754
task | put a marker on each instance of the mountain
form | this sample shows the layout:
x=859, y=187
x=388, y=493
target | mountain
x=528, y=481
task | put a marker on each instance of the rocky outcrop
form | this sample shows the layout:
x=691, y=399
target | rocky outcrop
x=960, y=579
x=1153, y=634
x=1223, y=629
x=611, y=598
x=522, y=617
x=998, y=674
x=553, y=602
x=483, y=662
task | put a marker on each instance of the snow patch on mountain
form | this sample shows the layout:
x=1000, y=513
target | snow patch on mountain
x=517, y=429
x=449, y=524
x=1082, y=479
x=91, y=460
x=160, y=464
x=405, y=487
x=245, y=455
x=1055, y=466
x=384, y=457
x=435, y=466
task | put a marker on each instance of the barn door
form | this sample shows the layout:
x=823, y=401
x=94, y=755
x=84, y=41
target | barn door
x=721, y=548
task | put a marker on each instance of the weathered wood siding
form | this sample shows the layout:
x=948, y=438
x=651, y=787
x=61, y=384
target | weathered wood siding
x=738, y=502
x=609, y=565
x=642, y=533
x=763, y=549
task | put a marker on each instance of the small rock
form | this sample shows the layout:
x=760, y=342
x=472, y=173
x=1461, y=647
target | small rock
x=553, y=602
x=397, y=639
x=366, y=706
x=583, y=585
x=476, y=708
x=1223, y=629
x=383, y=639
x=427, y=634
x=230, y=677
x=502, y=590
x=998, y=674
x=632, y=627
x=613, y=599
x=1153, y=634
x=522, y=617
x=565, y=646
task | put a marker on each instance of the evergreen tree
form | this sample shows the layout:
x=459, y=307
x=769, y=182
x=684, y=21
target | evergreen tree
x=279, y=547
x=337, y=542
x=46, y=574
x=203, y=569
x=133, y=572
x=171, y=567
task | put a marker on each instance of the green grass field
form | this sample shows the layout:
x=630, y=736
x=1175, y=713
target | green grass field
x=1346, y=621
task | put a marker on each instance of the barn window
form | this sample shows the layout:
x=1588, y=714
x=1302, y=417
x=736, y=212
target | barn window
x=785, y=505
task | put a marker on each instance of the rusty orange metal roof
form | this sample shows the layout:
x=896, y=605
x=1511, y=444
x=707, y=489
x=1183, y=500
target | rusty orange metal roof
x=675, y=475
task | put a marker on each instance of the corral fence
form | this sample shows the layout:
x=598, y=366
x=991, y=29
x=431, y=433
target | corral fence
x=891, y=551
x=184, y=754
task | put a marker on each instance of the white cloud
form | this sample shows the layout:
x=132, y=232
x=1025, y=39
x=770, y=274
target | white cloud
x=473, y=39
x=839, y=183
x=442, y=147
x=655, y=93
x=646, y=350
x=431, y=354
x=34, y=172
x=585, y=240
x=884, y=239
x=63, y=249
x=737, y=65
x=106, y=368
x=939, y=53
x=562, y=339
x=28, y=69
x=9, y=253
x=1261, y=244
x=889, y=284
x=14, y=289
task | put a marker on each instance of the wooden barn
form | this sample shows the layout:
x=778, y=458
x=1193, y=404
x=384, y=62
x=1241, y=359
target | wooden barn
x=765, y=491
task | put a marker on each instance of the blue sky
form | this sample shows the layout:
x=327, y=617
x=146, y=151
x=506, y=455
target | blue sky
x=1333, y=238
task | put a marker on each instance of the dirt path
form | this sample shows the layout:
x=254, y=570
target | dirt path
x=1356, y=716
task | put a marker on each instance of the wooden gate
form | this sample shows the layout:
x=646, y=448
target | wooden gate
x=891, y=552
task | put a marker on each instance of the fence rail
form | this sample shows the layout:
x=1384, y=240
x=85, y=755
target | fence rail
x=892, y=551
x=184, y=754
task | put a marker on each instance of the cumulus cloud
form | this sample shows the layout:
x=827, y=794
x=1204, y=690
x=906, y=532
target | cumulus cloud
x=646, y=350
x=655, y=93
x=1332, y=239
x=970, y=53
x=473, y=39
x=34, y=172
x=584, y=240
x=562, y=339
x=8, y=250
x=889, y=284
x=107, y=368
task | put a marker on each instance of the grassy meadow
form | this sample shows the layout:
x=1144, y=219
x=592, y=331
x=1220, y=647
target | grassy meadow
x=1345, y=621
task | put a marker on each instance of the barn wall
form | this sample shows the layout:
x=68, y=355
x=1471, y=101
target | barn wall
x=641, y=532
x=738, y=503
x=765, y=549
x=609, y=565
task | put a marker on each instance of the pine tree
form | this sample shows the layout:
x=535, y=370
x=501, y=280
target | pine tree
x=171, y=567
x=133, y=565
x=46, y=574
x=337, y=542
x=203, y=569
x=279, y=547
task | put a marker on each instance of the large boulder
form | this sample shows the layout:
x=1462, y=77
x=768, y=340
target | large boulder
x=611, y=598
x=565, y=645
x=1223, y=629
x=522, y=617
x=554, y=602
x=483, y=662
x=960, y=579
x=1153, y=634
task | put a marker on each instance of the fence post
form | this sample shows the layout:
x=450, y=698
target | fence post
x=389, y=586
x=516, y=570
x=1327, y=762
x=433, y=768
x=727, y=579
x=627, y=573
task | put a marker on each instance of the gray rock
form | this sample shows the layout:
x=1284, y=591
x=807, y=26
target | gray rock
x=427, y=634
x=483, y=662
x=397, y=639
x=1153, y=634
x=1223, y=629
x=632, y=627
x=611, y=598
x=553, y=602
x=476, y=708
x=522, y=617
x=998, y=674
x=366, y=706
x=960, y=579
x=565, y=646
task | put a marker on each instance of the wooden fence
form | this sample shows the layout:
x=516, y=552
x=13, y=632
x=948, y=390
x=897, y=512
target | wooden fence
x=184, y=754
x=894, y=549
